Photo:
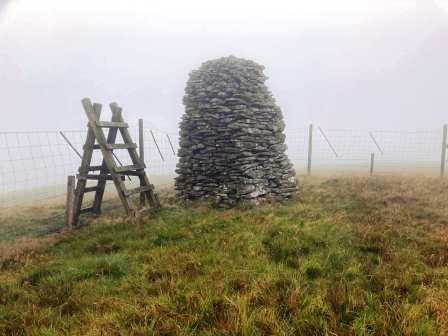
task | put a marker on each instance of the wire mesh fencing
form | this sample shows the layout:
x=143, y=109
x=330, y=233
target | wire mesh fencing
x=336, y=150
x=34, y=165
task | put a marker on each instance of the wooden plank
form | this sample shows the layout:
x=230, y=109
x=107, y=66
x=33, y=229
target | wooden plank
x=95, y=111
x=141, y=140
x=70, y=204
x=98, y=177
x=121, y=146
x=144, y=181
x=116, y=146
x=111, y=138
x=310, y=149
x=91, y=189
x=133, y=173
x=141, y=152
x=111, y=124
x=126, y=169
x=93, y=168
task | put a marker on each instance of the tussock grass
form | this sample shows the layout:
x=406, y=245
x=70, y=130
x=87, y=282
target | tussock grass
x=352, y=256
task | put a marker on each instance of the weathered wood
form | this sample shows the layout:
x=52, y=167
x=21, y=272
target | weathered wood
x=310, y=149
x=86, y=159
x=94, y=168
x=111, y=124
x=116, y=146
x=107, y=156
x=125, y=169
x=372, y=163
x=98, y=177
x=141, y=148
x=151, y=196
x=111, y=138
x=121, y=146
x=108, y=170
x=91, y=189
x=70, y=204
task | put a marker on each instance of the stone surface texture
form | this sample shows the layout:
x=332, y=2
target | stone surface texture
x=232, y=142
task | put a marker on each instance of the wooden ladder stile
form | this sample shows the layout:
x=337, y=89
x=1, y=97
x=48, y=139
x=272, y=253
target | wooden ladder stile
x=96, y=140
x=139, y=165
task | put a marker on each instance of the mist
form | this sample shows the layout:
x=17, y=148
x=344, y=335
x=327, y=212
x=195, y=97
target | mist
x=345, y=64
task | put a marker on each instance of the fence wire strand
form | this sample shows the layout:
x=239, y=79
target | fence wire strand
x=34, y=165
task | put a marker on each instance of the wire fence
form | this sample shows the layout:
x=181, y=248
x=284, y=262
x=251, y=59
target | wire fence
x=34, y=165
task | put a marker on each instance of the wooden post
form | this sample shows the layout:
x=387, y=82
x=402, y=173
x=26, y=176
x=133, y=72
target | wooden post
x=86, y=159
x=70, y=205
x=310, y=148
x=372, y=163
x=141, y=146
x=444, y=150
x=102, y=182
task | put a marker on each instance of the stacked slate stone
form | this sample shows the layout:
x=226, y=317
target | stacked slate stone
x=232, y=145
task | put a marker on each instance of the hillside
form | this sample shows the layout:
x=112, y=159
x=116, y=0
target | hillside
x=352, y=256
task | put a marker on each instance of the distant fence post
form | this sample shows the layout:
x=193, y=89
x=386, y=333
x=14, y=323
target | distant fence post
x=310, y=149
x=141, y=148
x=141, y=142
x=70, y=205
x=372, y=163
x=444, y=150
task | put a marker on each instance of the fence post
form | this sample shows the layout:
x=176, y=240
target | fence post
x=70, y=204
x=310, y=148
x=444, y=150
x=372, y=163
x=141, y=144
x=141, y=147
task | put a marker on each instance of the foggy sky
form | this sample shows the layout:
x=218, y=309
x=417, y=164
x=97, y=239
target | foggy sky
x=341, y=64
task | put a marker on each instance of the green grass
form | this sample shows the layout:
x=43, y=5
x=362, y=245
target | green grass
x=30, y=223
x=352, y=256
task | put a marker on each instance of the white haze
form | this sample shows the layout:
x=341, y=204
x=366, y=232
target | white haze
x=369, y=64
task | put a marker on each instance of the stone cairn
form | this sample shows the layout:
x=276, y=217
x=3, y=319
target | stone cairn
x=232, y=146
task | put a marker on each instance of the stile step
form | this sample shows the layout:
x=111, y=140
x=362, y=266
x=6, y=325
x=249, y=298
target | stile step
x=111, y=124
x=117, y=146
x=125, y=169
x=90, y=189
x=97, y=177
x=121, y=146
x=94, y=168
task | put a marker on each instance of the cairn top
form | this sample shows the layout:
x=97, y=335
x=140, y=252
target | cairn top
x=227, y=81
x=227, y=68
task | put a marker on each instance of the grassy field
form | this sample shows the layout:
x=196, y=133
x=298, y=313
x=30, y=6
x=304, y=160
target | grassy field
x=352, y=256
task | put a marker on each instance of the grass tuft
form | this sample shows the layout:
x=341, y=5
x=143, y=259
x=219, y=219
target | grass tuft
x=355, y=256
